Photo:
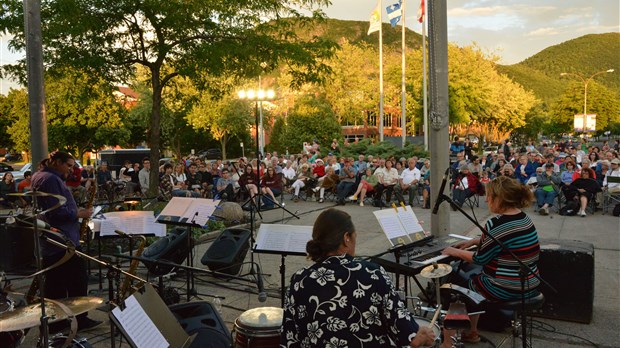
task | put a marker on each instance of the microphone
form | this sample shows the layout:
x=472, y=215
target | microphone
x=441, y=189
x=262, y=295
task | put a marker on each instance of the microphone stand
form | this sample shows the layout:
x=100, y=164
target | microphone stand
x=524, y=270
x=44, y=329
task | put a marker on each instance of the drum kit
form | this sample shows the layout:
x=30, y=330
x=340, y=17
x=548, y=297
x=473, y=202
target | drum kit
x=15, y=321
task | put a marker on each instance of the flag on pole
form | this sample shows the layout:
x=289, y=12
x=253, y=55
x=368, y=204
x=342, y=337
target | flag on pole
x=421, y=12
x=375, y=19
x=394, y=13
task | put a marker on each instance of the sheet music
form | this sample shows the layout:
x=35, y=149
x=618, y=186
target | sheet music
x=138, y=326
x=391, y=227
x=283, y=238
x=131, y=222
x=188, y=210
x=409, y=220
x=177, y=206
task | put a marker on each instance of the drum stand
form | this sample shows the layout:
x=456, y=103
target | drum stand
x=44, y=329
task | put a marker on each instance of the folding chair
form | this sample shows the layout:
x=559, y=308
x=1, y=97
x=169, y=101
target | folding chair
x=611, y=199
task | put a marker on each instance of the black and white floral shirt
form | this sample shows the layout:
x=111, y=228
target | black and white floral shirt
x=345, y=302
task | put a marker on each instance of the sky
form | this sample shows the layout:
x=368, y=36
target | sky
x=510, y=29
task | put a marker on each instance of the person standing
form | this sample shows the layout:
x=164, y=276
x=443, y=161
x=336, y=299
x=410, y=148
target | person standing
x=70, y=278
x=144, y=175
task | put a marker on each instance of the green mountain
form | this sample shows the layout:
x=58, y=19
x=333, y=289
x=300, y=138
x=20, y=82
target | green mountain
x=356, y=32
x=585, y=55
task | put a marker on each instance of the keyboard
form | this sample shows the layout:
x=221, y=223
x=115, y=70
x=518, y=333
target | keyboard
x=412, y=262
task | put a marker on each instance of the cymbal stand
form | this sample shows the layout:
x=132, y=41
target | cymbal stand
x=44, y=329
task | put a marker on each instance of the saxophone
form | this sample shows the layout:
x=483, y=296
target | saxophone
x=92, y=192
x=125, y=287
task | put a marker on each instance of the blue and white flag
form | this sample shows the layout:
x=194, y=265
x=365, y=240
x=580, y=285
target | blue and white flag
x=394, y=13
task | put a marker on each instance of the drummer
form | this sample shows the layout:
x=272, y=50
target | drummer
x=506, y=197
x=70, y=278
x=341, y=300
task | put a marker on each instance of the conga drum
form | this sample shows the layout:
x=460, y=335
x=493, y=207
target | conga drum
x=259, y=328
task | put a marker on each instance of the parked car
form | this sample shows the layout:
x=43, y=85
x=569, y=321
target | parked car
x=5, y=168
x=487, y=150
x=12, y=157
x=19, y=174
x=211, y=154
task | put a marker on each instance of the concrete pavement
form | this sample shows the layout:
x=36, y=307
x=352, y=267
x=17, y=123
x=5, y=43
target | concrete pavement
x=601, y=230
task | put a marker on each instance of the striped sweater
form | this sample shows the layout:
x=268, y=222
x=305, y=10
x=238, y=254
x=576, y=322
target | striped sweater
x=500, y=279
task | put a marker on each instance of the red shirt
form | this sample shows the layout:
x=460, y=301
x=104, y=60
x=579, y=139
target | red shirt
x=75, y=178
x=319, y=171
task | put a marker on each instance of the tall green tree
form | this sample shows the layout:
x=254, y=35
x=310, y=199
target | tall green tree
x=114, y=36
x=224, y=118
x=311, y=118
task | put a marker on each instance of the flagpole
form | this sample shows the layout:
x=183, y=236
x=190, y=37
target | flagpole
x=403, y=122
x=424, y=78
x=380, y=70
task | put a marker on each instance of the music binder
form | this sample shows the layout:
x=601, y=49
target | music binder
x=188, y=211
x=282, y=239
x=400, y=225
x=146, y=321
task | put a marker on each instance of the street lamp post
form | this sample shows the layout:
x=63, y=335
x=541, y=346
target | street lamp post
x=257, y=96
x=586, y=81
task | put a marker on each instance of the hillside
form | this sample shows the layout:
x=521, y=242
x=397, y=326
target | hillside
x=355, y=32
x=585, y=55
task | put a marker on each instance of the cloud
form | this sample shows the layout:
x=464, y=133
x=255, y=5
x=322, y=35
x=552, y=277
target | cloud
x=542, y=32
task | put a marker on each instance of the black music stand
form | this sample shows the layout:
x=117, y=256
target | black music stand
x=188, y=212
x=282, y=240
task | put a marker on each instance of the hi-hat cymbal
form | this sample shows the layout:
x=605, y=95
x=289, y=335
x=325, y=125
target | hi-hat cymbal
x=61, y=199
x=30, y=316
x=436, y=271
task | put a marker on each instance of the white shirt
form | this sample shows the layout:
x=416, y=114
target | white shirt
x=615, y=173
x=409, y=175
x=289, y=173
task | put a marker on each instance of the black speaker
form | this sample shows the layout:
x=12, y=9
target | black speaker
x=568, y=265
x=227, y=252
x=201, y=318
x=16, y=246
x=171, y=248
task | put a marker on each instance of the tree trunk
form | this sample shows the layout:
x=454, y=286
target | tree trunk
x=155, y=132
x=223, y=141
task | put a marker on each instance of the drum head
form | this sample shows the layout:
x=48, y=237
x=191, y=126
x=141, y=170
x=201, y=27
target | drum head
x=261, y=318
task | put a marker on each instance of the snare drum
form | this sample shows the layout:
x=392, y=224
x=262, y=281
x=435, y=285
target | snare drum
x=12, y=338
x=436, y=330
x=452, y=292
x=259, y=328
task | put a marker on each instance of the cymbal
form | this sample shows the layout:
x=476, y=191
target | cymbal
x=30, y=316
x=61, y=199
x=436, y=271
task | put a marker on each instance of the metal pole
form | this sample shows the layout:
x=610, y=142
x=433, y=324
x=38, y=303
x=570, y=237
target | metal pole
x=261, y=134
x=424, y=82
x=439, y=118
x=36, y=90
x=403, y=120
x=585, y=104
x=380, y=70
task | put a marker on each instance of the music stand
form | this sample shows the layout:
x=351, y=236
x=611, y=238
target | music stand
x=282, y=240
x=188, y=212
x=145, y=310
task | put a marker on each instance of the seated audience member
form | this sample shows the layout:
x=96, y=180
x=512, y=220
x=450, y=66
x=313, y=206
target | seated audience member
x=475, y=167
x=171, y=187
x=329, y=182
x=271, y=185
x=388, y=177
x=74, y=183
x=613, y=187
x=7, y=186
x=408, y=182
x=194, y=180
x=583, y=190
x=329, y=303
x=248, y=182
x=224, y=186
x=304, y=174
x=507, y=170
x=465, y=185
x=367, y=185
x=547, y=188
x=24, y=185
x=524, y=170
x=426, y=185
x=289, y=173
x=347, y=181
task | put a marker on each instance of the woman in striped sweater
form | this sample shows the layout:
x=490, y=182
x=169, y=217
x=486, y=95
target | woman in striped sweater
x=498, y=277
